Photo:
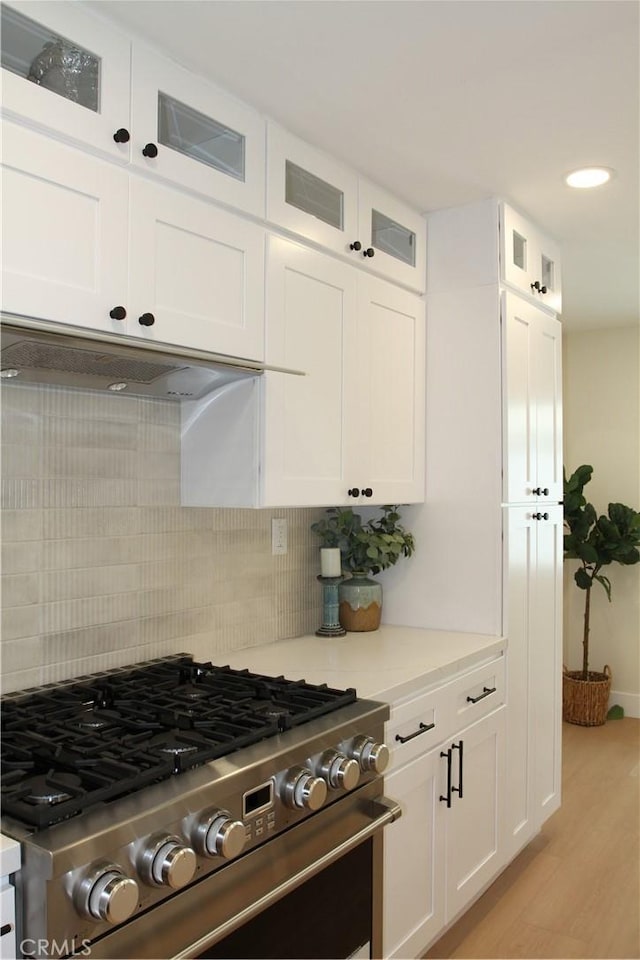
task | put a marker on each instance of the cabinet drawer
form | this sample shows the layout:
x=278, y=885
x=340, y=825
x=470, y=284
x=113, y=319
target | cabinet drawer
x=416, y=726
x=475, y=694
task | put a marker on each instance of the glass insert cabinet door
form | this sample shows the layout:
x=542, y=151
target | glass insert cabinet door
x=190, y=132
x=396, y=234
x=66, y=72
x=530, y=261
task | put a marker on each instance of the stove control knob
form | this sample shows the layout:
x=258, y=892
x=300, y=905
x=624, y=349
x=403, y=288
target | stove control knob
x=218, y=835
x=167, y=862
x=369, y=754
x=338, y=770
x=106, y=893
x=302, y=790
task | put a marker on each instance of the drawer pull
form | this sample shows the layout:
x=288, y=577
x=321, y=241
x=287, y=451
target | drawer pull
x=5, y=929
x=485, y=693
x=422, y=729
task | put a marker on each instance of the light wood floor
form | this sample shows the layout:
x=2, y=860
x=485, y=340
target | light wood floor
x=575, y=890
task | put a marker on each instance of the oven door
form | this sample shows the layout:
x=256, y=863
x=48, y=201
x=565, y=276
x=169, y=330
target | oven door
x=270, y=903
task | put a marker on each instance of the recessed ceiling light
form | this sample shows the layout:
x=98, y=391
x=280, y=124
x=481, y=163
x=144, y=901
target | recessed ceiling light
x=9, y=373
x=588, y=177
x=116, y=387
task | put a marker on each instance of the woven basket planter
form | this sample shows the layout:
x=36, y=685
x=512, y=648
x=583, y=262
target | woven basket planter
x=585, y=702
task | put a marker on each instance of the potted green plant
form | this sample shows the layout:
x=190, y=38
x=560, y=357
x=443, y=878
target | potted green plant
x=365, y=548
x=596, y=542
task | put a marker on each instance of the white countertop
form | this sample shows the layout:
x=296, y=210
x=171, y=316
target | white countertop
x=386, y=664
x=9, y=855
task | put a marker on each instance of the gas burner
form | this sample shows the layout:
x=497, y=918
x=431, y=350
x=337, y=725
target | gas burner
x=52, y=789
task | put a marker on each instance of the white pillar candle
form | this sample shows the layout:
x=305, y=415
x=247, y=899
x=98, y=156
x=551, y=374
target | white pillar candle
x=330, y=565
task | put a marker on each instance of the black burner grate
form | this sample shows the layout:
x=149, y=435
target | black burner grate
x=71, y=746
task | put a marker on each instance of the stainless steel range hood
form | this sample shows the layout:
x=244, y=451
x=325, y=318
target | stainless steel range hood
x=36, y=352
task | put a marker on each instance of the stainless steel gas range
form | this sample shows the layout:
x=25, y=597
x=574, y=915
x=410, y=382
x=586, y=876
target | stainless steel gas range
x=176, y=809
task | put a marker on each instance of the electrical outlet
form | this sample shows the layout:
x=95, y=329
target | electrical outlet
x=278, y=536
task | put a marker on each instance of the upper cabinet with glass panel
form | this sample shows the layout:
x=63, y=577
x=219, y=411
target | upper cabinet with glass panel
x=530, y=261
x=396, y=234
x=316, y=197
x=186, y=130
x=63, y=70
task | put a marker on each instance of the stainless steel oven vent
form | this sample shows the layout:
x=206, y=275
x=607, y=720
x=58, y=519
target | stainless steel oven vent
x=30, y=355
x=40, y=352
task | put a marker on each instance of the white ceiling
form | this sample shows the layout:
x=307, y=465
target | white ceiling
x=447, y=101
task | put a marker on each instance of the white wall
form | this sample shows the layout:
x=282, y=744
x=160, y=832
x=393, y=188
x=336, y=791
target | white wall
x=602, y=427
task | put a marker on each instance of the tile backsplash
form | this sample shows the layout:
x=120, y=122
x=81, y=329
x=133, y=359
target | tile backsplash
x=100, y=564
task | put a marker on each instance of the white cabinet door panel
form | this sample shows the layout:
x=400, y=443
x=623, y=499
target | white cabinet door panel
x=206, y=140
x=311, y=306
x=309, y=192
x=546, y=670
x=532, y=388
x=67, y=259
x=388, y=433
x=198, y=270
x=413, y=858
x=474, y=849
x=38, y=104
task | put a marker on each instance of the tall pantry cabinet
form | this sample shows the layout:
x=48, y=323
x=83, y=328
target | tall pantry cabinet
x=491, y=525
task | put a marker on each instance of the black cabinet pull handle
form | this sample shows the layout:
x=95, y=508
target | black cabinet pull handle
x=540, y=516
x=485, y=693
x=541, y=491
x=458, y=789
x=118, y=313
x=146, y=320
x=5, y=929
x=356, y=245
x=121, y=136
x=418, y=733
x=367, y=492
x=150, y=150
x=369, y=252
x=448, y=755
x=354, y=492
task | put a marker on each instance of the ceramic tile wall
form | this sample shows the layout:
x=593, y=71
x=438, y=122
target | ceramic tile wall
x=100, y=564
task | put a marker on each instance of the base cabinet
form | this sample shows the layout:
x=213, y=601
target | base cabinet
x=448, y=844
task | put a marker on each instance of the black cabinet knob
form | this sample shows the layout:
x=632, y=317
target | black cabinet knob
x=146, y=320
x=356, y=245
x=541, y=491
x=367, y=492
x=150, y=150
x=118, y=313
x=540, y=516
x=543, y=289
x=354, y=492
x=121, y=135
x=536, y=285
x=369, y=252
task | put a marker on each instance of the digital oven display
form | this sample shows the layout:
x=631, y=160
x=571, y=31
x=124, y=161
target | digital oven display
x=255, y=801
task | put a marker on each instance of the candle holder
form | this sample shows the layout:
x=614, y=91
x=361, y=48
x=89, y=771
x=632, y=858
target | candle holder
x=330, y=623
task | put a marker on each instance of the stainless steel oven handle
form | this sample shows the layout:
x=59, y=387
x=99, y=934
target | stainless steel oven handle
x=388, y=810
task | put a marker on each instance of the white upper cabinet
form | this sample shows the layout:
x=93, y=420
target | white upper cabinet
x=196, y=273
x=188, y=131
x=65, y=71
x=314, y=196
x=532, y=398
x=107, y=251
x=349, y=431
x=64, y=233
x=530, y=261
x=395, y=233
